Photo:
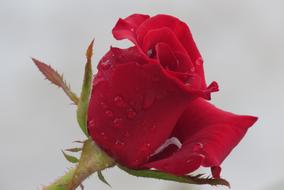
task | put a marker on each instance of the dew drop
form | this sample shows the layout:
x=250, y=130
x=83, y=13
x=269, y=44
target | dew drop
x=105, y=65
x=149, y=100
x=127, y=134
x=150, y=52
x=136, y=162
x=103, y=105
x=145, y=147
x=91, y=123
x=189, y=161
x=131, y=113
x=117, y=122
x=153, y=127
x=189, y=80
x=199, y=61
x=109, y=113
x=102, y=134
x=197, y=147
x=119, y=143
x=119, y=102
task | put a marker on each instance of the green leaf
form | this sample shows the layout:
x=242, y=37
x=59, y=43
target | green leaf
x=55, y=78
x=102, y=178
x=86, y=90
x=198, y=179
x=70, y=158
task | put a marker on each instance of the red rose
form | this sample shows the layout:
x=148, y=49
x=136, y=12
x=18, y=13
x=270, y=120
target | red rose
x=147, y=107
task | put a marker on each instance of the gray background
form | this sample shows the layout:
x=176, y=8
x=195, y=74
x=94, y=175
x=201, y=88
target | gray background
x=241, y=42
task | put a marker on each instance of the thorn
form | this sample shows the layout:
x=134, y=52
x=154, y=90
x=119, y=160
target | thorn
x=82, y=186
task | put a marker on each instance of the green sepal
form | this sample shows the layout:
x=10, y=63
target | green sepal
x=190, y=179
x=92, y=159
x=73, y=149
x=55, y=78
x=85, y=92
x=70, y=158
x=102, y=178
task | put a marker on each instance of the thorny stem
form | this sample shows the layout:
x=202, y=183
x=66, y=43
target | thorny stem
x=92, y=159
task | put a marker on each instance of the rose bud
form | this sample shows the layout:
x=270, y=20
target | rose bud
x=148, y=106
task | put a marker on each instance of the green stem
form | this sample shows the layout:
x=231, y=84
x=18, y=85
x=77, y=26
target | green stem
x=92, y=159
x=62, y=182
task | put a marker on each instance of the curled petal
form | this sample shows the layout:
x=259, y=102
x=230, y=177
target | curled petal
x=173, y=60
x=164, y=35
x=179, y=28
x=213, y=131
x=219, y=131
x=181, y=162
x=126, y=28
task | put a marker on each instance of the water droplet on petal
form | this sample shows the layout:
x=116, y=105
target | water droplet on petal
x=131, y=113
x=117, y=122
x=199, y=61
x=127, y=134
x=103, y=105
x=197, y=147
x=119, y=143
x=149, y=100
x=105, y=65
x=153, y=127
x=188, y=161
x=91, y=123
x=150, y=52
x=119, y=102
x=136, y=162
x=109, y=113
x=103, y=135
x=145, y=147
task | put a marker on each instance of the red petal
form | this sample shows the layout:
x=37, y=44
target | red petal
x=134, y=108
x=216, y=171
x=176, y=34
x=121, y=56
x=126, y=28
x=179, y=28
x=205, y=130
x=184, y=161
x=175, y=61
x=159, y=35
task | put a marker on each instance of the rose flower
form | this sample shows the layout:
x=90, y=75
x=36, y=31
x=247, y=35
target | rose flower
x=149, y=104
